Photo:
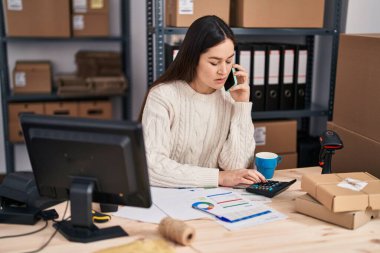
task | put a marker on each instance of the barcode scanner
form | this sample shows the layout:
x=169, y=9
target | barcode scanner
x=330, y=142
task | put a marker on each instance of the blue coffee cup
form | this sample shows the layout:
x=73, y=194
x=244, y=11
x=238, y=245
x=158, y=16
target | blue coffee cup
x=266, y=163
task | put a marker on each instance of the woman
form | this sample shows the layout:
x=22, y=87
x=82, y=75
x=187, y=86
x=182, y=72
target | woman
x=197, y=134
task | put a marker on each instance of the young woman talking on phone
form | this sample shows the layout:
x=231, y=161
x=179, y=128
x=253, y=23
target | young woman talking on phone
x=196, y=133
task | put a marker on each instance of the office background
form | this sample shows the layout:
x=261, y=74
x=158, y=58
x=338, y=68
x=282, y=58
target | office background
x=362, y=17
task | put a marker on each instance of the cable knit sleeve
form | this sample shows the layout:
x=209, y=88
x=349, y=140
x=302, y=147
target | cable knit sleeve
x=163, y=171
x=238, y=150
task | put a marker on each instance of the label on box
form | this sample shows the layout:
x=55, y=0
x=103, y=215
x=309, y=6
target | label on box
x=97, y=4
x=260, y=135
x=15, y=5
x=186, y=7
x=353, y=184
x=80, y=6
x=20, y=79
x=78, y=22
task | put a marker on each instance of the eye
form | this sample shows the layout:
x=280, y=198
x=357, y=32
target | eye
x=228, y=62
x=213, y=63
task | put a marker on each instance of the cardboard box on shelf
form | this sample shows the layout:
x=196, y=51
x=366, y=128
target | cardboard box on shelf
x=359, y=153
x=39, y=18
x=71, y=85
x=14, y=111
x=90, y=24
x=307, y=205
x=341, y=198
x=289, y=161
x=278, y=14
x=95, y=109
x=32, y=77
x=114, y=85
x=61, y=108
x=276, y=136
x=356, y=105
x=90, y=6
x=184, y=13
x=98, y=63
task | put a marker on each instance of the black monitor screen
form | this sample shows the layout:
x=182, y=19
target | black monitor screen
x=108, y=155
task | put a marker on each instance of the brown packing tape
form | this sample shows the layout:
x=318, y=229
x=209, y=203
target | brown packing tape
x=177, y=231
x=324, y=188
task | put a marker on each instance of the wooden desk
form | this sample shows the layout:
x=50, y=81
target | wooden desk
x=298, y=233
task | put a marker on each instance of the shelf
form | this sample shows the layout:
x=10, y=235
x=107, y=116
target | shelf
x=313, y=111
x=261, y=31
x=64, y=39
x=55, y=97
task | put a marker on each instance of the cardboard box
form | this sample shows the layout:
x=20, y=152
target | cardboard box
x=95, y=109
x=38, y=18
x=278, y=14
x=71, y=85
x=61, y=108
x=90, y=24
x=276, y=136
x=307, y=205
x=98, y=63
x=359, y=153
x=324, y=188
x=357, y=90
x=289, y=161
x=112, y=85
x=32, y=77
x=90, y=6
x=14, y=110
x=183, y=13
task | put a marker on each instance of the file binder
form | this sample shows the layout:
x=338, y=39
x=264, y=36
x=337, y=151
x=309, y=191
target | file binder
x=272, y=74
x=244, y=58
x=259, y=60
x=301, y=76
x=171, y=52
x=287, y=79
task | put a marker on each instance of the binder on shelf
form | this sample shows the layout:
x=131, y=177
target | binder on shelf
x=301, y=76
x=243, y=57
x=259, y=60
x=287, y=79
x=171, y=52
x=272, y=78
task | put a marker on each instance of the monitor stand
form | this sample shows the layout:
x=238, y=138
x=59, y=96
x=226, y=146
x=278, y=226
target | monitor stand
x=81, y=228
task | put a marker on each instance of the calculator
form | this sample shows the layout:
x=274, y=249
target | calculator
x=270, y=188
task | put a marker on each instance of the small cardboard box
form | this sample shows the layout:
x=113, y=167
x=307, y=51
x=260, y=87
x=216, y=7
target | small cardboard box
x=324, y=188
x=360, y=153
x=108, y=85
x=276, y=136
x=90, y=6
x=14, y=111
x=39, y=18
x=357, y=91
x=95, y=109
x=307, y=205
x=32, y=77
x=278, y=14
x=90, y=24
x=289, y=161
x=61, y=108
x=183, y=13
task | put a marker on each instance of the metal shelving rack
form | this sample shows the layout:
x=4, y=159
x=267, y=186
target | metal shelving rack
x=156, y=32
x=7, y=97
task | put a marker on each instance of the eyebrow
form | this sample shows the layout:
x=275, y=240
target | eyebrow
x=218, y=58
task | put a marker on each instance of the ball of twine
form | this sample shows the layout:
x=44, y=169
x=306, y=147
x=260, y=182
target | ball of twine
x=177, y=231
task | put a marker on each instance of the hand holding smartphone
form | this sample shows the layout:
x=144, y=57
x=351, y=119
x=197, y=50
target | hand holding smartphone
x=231, y=80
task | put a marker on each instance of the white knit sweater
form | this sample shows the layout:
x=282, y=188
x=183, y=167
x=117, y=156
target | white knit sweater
x=189, y=136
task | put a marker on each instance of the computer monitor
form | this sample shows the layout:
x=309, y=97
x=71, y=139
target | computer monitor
x=86, y=160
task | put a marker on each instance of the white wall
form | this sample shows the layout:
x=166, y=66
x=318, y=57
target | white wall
x=363, y=16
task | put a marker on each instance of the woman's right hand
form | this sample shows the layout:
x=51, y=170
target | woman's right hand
x=247, y=177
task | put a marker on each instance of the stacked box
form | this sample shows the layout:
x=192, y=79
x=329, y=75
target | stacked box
x=32, y=77
x=90, y=18
x=96, y=63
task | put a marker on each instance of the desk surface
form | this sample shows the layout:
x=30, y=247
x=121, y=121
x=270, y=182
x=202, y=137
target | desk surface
x=298, y=233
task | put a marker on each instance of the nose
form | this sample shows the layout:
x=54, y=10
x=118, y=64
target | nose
x=223, y=69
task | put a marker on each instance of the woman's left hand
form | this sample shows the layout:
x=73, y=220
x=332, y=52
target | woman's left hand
x=240, y=92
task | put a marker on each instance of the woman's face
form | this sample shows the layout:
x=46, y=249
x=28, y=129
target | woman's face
x=213, y=67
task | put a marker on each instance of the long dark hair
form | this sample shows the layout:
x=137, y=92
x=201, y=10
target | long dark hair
x=204, y=33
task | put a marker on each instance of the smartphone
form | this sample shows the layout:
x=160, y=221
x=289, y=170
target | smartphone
x=231, y=80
